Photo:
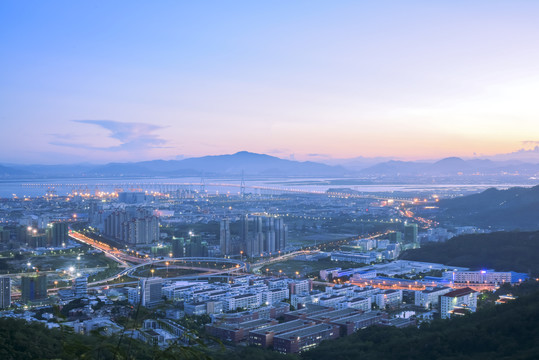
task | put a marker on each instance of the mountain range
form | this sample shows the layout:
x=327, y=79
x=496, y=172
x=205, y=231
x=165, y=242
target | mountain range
x=252, y=164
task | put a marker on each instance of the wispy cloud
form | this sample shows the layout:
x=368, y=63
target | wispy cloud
x=530, y=143
x=132, y=136
x=276, y=151
x=319, y=155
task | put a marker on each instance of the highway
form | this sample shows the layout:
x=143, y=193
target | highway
x=112, y=253
x=128, y=269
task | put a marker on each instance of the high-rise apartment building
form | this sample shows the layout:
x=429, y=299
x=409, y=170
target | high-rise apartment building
x=269, y=246
x=244, y=233
x=80, y=287
x=33, y=287
x=151, y=291
x=5, y=292
x=132, y=227
x=410, y=233
x=178, y=247
x=225, y=241
x=281, y=234
x=57, y=233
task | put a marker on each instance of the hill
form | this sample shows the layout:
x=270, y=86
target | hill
x=23, y=340
x=452, y=166
x=503, y=251
x=6, y=172
x=509, y=209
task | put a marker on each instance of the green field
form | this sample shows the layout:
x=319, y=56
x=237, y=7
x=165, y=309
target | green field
x=304, y=268
x=54, y=261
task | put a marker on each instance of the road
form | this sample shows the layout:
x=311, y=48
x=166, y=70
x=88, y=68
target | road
x=112, y=253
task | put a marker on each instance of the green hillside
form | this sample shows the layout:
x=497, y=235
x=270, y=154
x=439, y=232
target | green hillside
x=514, y=208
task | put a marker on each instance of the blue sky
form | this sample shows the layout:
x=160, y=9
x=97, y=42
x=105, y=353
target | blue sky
x=100, y=81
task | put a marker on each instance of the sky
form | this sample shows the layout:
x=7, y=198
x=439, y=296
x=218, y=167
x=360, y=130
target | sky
x=101, y=81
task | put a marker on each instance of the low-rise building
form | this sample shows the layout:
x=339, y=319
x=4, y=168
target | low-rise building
x=389, y=298
x=308, y=311
x=304, y=339
x=353, y=323
x=479, y=277
x=325, y=274
x=264, y=337
x=274, y=296
x=332, y=300
x=245, y=301
x=237, y=332
x=460, y=300
x=358, y=303
x=430, y=297
x=329, y=316
x=204, y=307
x=300, y=286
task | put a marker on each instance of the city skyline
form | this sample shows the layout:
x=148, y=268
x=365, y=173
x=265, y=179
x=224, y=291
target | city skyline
x=306, y=179
x=124, y=82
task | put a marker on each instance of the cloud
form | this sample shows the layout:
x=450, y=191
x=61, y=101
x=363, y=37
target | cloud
x=132, y=136
x=278, y=151
x=528, y=154
x=533, y=143
x=319, y=155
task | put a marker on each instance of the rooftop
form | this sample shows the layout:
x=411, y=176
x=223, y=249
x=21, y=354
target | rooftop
x=286, y=326
x=310, y=309
x=335, y=314
x=436, y=289
x=460, y=292
x=357, y=317
x=304, y=332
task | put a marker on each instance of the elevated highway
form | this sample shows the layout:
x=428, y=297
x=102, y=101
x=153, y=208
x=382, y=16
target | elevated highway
x=236, y=266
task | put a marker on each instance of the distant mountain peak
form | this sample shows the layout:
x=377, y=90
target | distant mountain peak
x=244, y=152
x=249, y=154
x=451, y=159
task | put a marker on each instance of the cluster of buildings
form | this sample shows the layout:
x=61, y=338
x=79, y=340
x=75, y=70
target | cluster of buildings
x=320, y=315
x=38, y=235
x=370, y=250
x=34, y=290
x=257, y=310
x=269, y=236
x=132, y=226
x=271, y=312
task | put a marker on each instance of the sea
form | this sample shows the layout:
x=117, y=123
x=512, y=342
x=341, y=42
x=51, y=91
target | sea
x=40, y=187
